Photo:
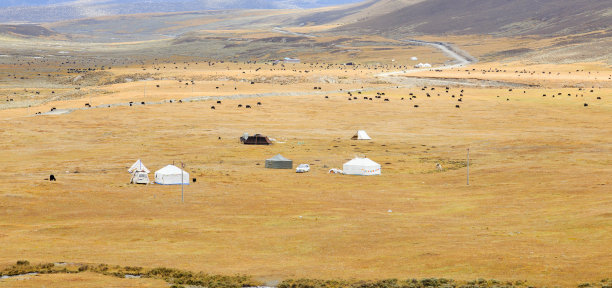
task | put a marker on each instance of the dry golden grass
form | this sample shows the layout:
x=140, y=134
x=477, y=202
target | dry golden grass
x=583, y=75
x=537, y=207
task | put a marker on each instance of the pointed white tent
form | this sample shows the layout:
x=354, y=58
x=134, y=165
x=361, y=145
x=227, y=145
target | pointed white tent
x=361, y=135
x=171, y=175
x=361, y=166
x=138, y=167
x=140, y=173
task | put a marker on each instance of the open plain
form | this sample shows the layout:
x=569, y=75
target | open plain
x=537, y=206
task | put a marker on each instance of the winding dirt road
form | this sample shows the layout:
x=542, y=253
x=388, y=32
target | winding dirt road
x=461, y=58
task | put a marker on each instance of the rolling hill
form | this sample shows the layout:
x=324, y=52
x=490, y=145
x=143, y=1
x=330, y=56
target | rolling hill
x=44, y=11
x=498, y=17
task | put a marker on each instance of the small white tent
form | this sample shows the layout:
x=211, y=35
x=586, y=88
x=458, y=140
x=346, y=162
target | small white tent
x=140, y=173
x=171, y=175
x=138, y=167
x=361, y=135
x=361, y=166
x=421, y=65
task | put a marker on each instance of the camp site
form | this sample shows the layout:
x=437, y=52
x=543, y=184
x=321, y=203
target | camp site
x=306, y=144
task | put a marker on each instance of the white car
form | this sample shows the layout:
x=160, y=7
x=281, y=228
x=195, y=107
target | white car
x=140, y=178
x=302, y=168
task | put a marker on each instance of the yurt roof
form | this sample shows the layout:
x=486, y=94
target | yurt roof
x=278, y=157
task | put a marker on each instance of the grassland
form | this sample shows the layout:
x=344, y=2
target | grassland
x=537, y=207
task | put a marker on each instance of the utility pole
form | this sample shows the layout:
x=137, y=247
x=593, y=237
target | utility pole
x=468, y=166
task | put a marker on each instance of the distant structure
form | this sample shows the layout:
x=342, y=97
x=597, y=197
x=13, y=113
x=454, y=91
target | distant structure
x=421, y=65
x=291, y=60
x=256, y=139
x=361, y=166
x=361, y=135
x=279, y=162
x=140, y=173
x=171, y=175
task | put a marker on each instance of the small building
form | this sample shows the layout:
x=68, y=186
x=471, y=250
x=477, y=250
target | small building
x=279, y=162
x=256, y=139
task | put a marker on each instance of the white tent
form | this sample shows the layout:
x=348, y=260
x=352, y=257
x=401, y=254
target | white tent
x=138, y=167
x=171, y=175
x=421, y=65
x=361, y=135
x=361, y=166
x=140, y=173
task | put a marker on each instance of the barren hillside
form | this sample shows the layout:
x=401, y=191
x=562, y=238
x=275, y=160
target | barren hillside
x=499, y=17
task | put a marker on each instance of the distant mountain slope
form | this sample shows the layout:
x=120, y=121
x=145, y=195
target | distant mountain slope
x=41, y=11
x=356, y=12
x=500, y=17
x=14, y=3
x=26, y=30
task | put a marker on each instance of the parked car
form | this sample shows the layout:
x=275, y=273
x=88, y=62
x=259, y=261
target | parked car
x=302, y=168
x=140, y=178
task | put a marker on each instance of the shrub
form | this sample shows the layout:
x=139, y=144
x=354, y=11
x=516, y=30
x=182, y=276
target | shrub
x=432, y=282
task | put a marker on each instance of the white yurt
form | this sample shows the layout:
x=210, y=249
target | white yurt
x=171, y=175
x=361, y=135
x=361, y=166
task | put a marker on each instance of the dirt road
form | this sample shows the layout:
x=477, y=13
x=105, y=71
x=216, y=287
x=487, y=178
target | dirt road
x=461, y=58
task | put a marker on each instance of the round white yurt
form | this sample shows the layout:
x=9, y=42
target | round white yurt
x=171, y=175
x=361, y=166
